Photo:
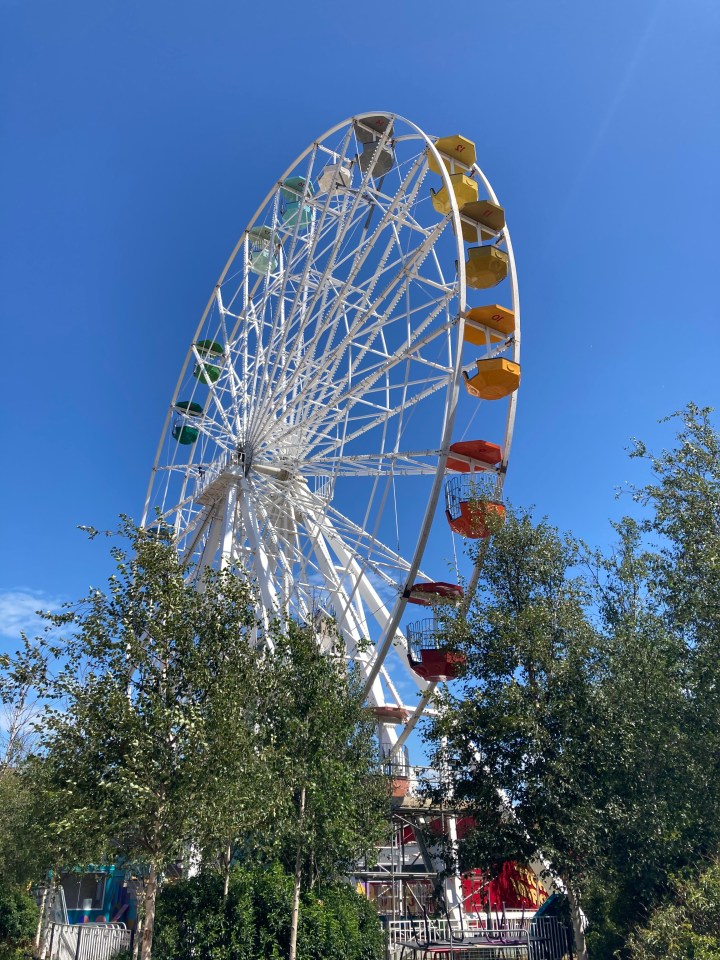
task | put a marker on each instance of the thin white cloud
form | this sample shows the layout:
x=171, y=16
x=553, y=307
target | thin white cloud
x=18, y=612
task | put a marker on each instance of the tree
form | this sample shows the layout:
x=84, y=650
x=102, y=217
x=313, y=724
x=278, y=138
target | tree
x=18, y=916
x=684, y=503
x=523, y=737
x=242, y=798
x=26, y=849
x=686, y=928
x=683, y=500
x=320, y=738
x=21, y=677
x=147, y=668
x=592, y=696
x=646, y=774
x=167, y=728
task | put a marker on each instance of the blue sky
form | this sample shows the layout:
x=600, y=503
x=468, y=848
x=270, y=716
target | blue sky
x=138, y=139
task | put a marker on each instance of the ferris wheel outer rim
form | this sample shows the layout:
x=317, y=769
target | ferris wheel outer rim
x=451, y=392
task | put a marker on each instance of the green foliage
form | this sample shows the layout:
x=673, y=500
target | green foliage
x=138, y=711
x=592, y=695
x=688, y=928
x=317, y=735
x=8, y=952
x=145, y=667
x=337, y=924
x=684, y=506
x=22, y=680
x=164, y=726
x=254, y=922
x=192, y=919
x=523, y=721
x=22, y=817
x=18, y=915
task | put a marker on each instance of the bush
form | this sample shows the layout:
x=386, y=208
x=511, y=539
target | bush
x=254, y=923
x=18, y=916
x=339, y=925
x=689, y=928
x=12, y=953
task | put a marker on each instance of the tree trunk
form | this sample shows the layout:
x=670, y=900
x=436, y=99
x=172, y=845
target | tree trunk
x=149, y=915
x=228, y=861
x=39, y=943
x=577, y=924
x=135, y=939
x=298, y=877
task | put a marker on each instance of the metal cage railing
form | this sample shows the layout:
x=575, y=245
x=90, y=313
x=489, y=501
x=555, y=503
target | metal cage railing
x=427, y=634
x=465, y=488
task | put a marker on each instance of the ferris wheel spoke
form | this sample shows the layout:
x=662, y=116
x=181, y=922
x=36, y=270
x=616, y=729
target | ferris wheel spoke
x=370, y=334
x=333, y=445
x=359, y=326
x=346, y=222
x=411, y=723
x=354, y=628
x=235, y=380
x=373, y=600
x=331, y=359
x=216, y=395
x=327, y=209
x=283, y=553
x=299, y=243
x=359, y=260
x=260, y=560
x=362, y=586
x=360, y=256
x=409, y=464
x=335, y=400
x=194, y=531
x=284, y=525
x=395, y=696
x=379, y=557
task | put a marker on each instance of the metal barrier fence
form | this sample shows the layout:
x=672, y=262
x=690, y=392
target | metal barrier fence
x=86, y=941
x=549, y=938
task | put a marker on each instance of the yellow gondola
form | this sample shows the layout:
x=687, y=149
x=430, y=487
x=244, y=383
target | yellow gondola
x=464, y=188
x=498, y=321
x=481, y=220
x=485, y=267
x=455, y=150
x=496, y=378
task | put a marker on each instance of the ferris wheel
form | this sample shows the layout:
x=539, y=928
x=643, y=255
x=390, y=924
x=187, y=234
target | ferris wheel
x=313, y=439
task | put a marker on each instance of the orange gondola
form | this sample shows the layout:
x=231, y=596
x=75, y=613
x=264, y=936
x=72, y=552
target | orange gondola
x=468, y=512
x=472, y=455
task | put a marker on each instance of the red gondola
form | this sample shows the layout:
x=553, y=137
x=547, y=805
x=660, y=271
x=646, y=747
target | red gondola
x=429, y=656
x=481, y=451
x=427, y=594
x=388, y=713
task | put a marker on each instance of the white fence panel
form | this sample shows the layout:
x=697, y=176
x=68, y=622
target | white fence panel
x=86, y=941
x=548, y=939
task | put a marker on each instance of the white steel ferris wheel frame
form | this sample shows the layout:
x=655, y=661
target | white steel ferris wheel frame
x=231, y=511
